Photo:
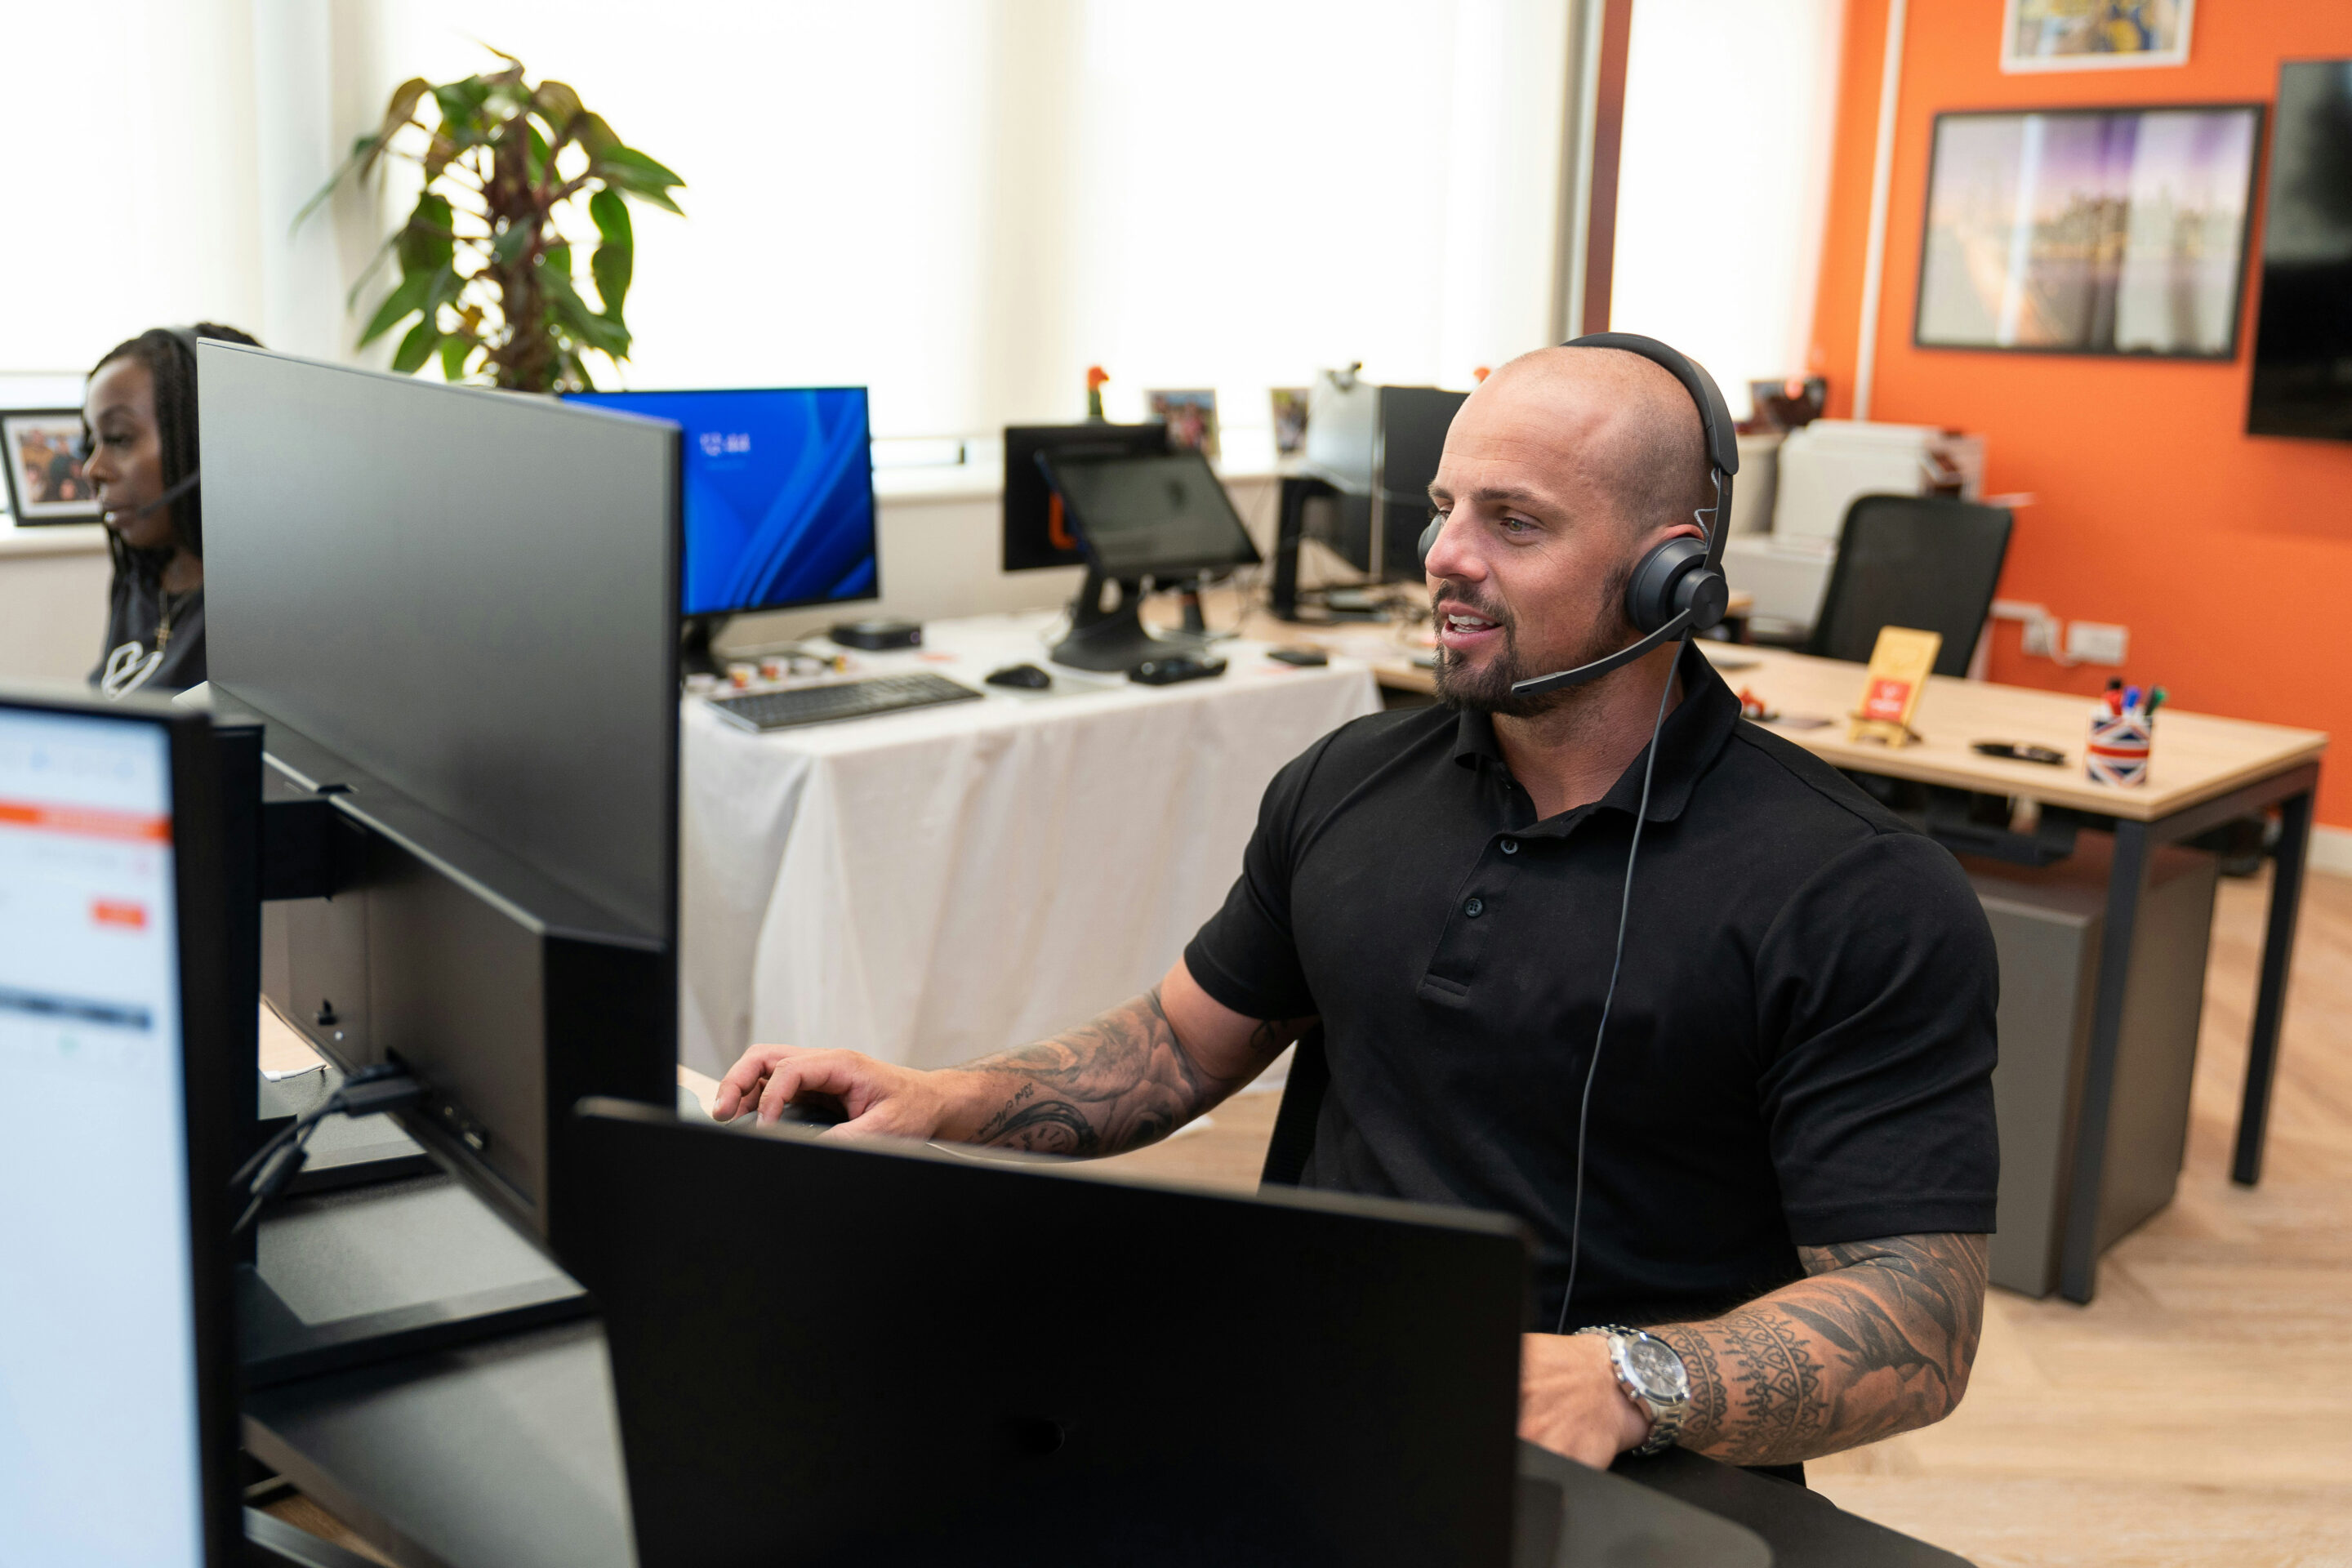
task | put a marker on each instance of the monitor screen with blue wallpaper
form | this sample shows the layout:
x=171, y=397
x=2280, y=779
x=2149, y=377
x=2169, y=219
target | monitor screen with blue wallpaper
x=778, y=495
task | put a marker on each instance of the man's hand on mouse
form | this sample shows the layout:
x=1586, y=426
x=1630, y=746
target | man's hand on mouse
x=878, y=1097
x=1569, y=1400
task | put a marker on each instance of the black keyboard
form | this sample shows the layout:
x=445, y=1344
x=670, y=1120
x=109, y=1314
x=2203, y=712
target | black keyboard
x=842, y=699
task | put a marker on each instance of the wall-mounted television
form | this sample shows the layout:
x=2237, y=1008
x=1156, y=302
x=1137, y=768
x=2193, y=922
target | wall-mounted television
x=2089, y=231
x=2303, y=330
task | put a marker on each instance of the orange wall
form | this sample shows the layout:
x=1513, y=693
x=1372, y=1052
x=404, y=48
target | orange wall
x=2227, y=555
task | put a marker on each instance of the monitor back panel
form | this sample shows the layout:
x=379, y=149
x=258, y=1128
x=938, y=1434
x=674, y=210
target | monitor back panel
x=852, y=1355
x=471, y=594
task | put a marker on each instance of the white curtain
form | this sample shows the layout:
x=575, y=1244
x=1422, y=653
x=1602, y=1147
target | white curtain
x=959, y=203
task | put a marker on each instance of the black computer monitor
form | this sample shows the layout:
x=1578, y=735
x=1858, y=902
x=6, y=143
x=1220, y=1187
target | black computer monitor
x=1036, y=531
x=1378, y=447
x=454, y=612
x=907, y=1355
x=118, y=1399
x=779, y=500
x=1161, y=519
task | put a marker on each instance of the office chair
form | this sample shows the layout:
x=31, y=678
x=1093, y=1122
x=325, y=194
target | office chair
x=1924, y=561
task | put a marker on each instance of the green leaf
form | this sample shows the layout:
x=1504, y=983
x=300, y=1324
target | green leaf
x=399, y=111
x=427, y=243
x=416, y=347
x=455, y=349
x=566, y=305
x=534, y=165
x=615, y=261
x=461, y=103
x=557, y=257
x=627, y=166
x=591, y=131
x=558, y=104
x=413, y=289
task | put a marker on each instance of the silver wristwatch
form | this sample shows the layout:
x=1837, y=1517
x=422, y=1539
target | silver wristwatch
x=1651, y=1373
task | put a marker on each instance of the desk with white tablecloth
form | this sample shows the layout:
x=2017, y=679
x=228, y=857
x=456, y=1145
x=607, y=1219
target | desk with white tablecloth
x=933, y=885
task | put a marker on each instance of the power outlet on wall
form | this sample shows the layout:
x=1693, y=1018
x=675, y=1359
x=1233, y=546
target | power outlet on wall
x=2095, y=642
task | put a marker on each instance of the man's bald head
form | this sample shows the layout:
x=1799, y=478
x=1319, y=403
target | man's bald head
x=1625, y=421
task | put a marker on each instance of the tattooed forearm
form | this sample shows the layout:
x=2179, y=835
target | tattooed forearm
x=1117, y=1083
x=1878, y=1340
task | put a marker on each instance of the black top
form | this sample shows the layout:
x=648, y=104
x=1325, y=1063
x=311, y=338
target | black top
x=134, y=614
x=1802, y=1046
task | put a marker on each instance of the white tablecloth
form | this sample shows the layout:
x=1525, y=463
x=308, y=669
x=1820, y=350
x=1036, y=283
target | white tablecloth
x=930, y=886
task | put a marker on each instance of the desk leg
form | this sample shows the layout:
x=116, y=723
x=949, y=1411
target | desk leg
x=2270, y=998
x=2078, y=1264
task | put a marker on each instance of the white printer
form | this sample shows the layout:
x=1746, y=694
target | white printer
x=1821, y=467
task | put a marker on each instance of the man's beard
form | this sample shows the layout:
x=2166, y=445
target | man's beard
x=1487, y=688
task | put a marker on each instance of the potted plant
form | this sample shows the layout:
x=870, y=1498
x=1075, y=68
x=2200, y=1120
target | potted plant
x=486, y=275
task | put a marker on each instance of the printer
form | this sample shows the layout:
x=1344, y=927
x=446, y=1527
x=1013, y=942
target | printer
x=1823, y=467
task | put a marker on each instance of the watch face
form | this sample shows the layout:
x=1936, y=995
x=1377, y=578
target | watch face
x=1657, y=1368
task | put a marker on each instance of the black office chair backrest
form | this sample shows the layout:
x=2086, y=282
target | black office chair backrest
x=1924, y=561
x=1302, y=1104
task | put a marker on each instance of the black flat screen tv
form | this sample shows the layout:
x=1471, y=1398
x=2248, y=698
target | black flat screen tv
x=2302, y=330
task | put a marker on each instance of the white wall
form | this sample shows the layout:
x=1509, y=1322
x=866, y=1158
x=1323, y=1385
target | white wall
x=1724, y=179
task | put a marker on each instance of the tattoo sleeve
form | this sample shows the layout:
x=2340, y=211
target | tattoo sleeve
x=1117, y=1083
x=1877, y=1339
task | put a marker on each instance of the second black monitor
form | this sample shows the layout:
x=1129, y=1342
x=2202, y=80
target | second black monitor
x=1036, y=529
x=1161, y=517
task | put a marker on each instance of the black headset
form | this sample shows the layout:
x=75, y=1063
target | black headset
x=1677, y=590
x=186, y=337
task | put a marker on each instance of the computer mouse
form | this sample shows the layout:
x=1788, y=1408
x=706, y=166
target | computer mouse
x=1027, y=677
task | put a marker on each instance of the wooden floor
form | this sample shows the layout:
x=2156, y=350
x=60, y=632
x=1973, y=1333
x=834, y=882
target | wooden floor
x=2200, y=1411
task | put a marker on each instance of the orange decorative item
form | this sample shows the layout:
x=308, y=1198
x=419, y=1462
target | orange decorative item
x=1095, y=377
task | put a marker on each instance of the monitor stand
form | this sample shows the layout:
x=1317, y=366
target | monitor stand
x=1113, y=638
x=695, y=654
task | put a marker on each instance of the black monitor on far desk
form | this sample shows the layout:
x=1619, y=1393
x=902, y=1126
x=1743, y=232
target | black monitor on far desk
x=1140, y=519
x=1037, y=532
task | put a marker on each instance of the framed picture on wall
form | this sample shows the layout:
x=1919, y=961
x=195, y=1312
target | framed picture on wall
x=2089, y=231
x=45, y=478
x=2094, y=34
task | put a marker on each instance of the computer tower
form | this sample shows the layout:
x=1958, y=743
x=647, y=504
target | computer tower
x=1378, y=447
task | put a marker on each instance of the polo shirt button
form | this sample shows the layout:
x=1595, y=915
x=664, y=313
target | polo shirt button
x=1510, y=845
x=1474, y=907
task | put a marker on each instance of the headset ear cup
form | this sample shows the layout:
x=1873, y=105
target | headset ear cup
x=1651, y=599
x=1429, y=538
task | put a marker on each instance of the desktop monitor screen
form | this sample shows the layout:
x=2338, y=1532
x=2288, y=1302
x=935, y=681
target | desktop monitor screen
x=2303, y=329
x=1152, y=516
x=778, y=495
x=1036, y=531
x=109, y=1305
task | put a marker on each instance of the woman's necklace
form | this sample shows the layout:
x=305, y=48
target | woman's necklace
x=171, y=606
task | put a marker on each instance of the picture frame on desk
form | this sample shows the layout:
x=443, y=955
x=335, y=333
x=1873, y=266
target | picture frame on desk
x=46, y=485
x=2087, y=271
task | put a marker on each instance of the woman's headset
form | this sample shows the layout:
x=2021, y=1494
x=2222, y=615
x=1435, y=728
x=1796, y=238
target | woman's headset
x=1677, y=590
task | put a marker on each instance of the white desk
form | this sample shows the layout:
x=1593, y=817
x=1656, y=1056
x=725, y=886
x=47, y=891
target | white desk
x=929, y=886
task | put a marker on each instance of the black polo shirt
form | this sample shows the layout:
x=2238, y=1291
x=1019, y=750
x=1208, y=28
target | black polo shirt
x=1801, y=1047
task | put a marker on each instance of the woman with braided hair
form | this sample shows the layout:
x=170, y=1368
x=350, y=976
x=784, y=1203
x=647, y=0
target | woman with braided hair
x=139, y=425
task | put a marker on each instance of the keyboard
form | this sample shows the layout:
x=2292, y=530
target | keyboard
x=841, y=699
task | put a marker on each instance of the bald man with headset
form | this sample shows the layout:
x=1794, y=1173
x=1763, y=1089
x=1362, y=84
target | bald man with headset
x=1585, y=948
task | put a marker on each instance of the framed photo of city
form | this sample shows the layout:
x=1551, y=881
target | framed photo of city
x=2089, y=231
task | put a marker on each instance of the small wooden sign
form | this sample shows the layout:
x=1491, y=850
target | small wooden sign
x=1899, y=668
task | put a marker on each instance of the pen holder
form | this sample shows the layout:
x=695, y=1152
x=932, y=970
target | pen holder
x=2118, y=753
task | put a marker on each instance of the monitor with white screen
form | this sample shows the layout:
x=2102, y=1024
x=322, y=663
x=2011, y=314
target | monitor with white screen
x=112, y=1374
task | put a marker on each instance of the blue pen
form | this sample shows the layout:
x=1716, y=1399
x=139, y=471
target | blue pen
x=2131, y=699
